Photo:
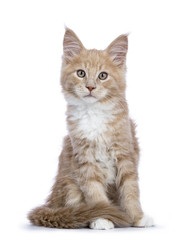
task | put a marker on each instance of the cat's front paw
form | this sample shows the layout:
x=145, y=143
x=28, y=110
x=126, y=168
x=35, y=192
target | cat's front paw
x=145, y=221
x=101, y=224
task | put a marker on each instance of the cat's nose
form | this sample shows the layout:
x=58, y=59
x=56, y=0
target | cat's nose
x=90, y=88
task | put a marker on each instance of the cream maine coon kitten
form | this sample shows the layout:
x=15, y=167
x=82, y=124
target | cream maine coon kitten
x=97, y=180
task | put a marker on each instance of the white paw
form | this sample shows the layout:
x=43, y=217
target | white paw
x=101, y=224
x=145, y=221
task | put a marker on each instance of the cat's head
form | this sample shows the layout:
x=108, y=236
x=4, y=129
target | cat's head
x=90, y=76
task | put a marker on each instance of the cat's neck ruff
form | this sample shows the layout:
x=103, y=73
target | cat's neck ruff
x=92, y=119
x=83, y=108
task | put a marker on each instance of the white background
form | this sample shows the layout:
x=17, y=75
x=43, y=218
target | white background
x=32, y=109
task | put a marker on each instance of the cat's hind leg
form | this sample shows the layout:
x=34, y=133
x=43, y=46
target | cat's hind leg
x=101, y=224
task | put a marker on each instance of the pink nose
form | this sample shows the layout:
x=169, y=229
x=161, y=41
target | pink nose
x=90, y=88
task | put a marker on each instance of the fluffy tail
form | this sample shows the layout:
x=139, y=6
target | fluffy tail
x=70, y=217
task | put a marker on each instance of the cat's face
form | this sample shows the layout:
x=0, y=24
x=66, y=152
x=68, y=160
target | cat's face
x=90, y=76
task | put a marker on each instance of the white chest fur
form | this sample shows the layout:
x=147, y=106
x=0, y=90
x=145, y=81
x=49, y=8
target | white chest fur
x=92, y=122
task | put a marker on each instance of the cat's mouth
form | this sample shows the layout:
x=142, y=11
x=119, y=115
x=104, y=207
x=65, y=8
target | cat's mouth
x=89, y=95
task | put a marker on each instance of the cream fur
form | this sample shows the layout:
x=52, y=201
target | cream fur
x=97, y=180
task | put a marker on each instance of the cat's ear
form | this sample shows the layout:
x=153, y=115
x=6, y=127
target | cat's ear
x=118, y=49
x=72, y=46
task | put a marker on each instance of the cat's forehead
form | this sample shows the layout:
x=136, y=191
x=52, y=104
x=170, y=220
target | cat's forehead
x=93, y=58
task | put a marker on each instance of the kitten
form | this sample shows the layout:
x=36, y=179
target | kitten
x=97, y=180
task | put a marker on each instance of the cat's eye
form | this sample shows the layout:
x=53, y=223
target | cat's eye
x=81, y=73
x=103, y=76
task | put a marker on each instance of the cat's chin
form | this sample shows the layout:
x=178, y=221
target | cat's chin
x=75, y=100
x=90, y=99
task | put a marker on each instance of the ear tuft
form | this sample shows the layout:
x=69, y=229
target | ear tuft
x=118, y=49
x=72, y=46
